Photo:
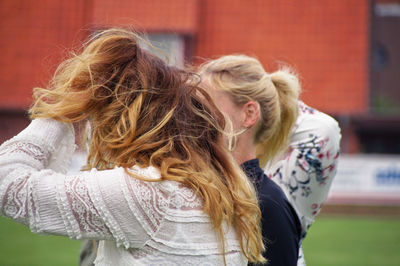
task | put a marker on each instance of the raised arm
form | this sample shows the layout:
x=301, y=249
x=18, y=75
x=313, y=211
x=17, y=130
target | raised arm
x=35, y=191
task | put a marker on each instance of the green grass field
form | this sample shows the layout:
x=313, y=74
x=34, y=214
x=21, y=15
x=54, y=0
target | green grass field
x=331, y=241
x=353, y=241
x=20, y=247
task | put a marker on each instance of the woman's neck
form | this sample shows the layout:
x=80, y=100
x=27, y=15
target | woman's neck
x=245, y=148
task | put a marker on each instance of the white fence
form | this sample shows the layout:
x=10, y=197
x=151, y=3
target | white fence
x=360, y=179
x=367, y=179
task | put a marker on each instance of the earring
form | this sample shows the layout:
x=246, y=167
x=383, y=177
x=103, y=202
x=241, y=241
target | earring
x=232, y=138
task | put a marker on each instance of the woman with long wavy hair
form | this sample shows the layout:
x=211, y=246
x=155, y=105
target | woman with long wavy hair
x=159, y=186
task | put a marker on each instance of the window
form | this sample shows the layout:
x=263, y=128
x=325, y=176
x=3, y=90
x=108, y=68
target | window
x=172, y=47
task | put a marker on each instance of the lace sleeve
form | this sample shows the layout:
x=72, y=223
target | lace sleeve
x=306, y=171
x=97, y=204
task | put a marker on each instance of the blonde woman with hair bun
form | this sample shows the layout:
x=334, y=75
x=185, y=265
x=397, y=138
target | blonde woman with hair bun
x=307, y=167
x=297, y=145
x=262, y=110
x=159, y=186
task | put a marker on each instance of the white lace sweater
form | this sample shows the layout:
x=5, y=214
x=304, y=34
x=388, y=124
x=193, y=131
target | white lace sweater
x=138, y=222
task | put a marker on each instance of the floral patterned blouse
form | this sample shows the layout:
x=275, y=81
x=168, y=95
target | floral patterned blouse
x=306, y=169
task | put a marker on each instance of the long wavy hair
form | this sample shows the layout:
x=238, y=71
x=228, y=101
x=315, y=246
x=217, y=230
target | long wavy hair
x=143, y=112
x=244, y=79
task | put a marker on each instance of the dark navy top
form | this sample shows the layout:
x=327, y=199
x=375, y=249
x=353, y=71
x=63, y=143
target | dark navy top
x=280, y=225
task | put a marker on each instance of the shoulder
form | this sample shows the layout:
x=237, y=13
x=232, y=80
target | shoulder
x=272, y=197
x=278, y=216
x=130, y=197
x=312, y=121
x=269, y=189
x=144, y=187
x=136, y=186
x=149, y=175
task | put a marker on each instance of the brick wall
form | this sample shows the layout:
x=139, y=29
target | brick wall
x=37, y=34
x=179, y=16
x=325, y=41
x=34, y=35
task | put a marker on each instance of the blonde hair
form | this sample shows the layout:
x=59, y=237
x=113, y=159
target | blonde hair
x=144, y=112
x=244, y=79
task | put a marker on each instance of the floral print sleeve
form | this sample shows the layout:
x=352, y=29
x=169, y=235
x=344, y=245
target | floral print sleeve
x=306, y=170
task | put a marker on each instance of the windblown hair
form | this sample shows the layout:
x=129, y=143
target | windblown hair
x=143, y=112
x=244, y=79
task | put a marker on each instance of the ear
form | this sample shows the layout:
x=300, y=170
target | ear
x=252, y=113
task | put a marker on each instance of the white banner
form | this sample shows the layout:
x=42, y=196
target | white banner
x=366, y=179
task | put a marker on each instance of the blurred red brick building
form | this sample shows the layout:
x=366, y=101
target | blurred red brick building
x=327, y=42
